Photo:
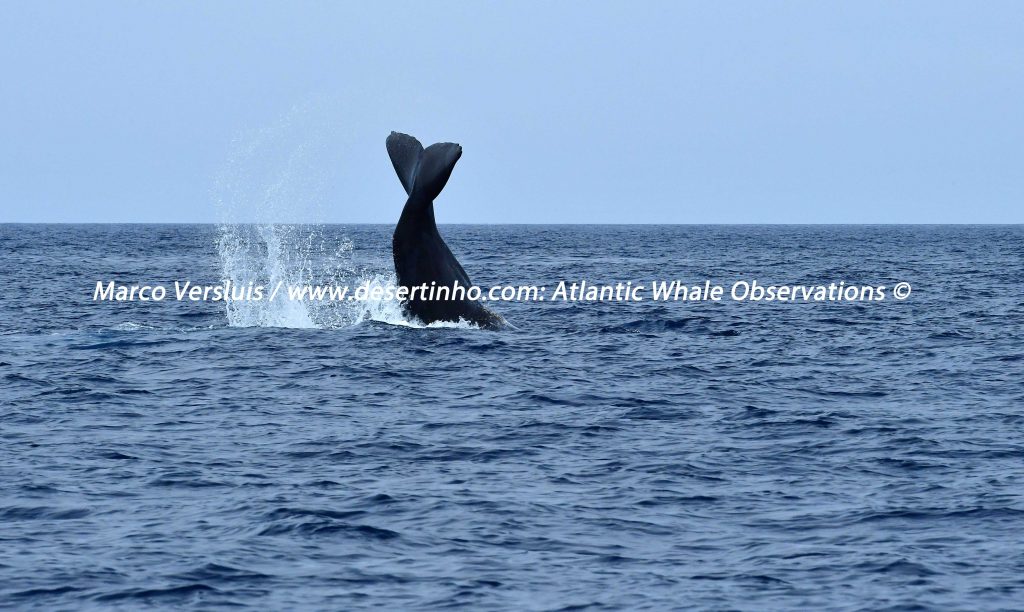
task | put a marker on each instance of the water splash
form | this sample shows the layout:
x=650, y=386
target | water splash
x=290, y=255
x=279, y=174
x=276, y=174
x=296, y=255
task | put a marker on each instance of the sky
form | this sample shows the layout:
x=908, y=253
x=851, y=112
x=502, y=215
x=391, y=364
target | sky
x=567, y=111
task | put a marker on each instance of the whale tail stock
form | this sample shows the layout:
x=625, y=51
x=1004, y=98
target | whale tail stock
x=423, y=172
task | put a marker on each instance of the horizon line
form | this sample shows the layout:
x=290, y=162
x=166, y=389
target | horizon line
x=369, y=223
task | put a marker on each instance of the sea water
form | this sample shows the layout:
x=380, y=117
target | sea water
x=597, y=455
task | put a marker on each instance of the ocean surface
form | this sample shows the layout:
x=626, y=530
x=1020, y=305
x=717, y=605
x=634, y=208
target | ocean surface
x=597, y=456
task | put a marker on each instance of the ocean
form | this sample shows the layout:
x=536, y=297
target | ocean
x=597, y=455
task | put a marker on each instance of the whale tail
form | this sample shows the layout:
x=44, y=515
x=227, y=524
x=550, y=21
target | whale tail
x=423, y=172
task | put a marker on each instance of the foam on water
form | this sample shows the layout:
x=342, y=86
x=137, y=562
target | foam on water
x=131, y=326
x=391, y=311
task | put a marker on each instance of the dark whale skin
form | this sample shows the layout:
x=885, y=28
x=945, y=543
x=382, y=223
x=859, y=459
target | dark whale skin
x=421, y=255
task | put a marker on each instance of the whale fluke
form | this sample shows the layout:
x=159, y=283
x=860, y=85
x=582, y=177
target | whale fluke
x=424, y=171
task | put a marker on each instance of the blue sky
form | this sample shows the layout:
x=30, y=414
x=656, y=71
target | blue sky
x=568, y=112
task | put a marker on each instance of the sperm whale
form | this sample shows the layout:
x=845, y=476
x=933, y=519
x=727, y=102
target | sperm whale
x=421, y=255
